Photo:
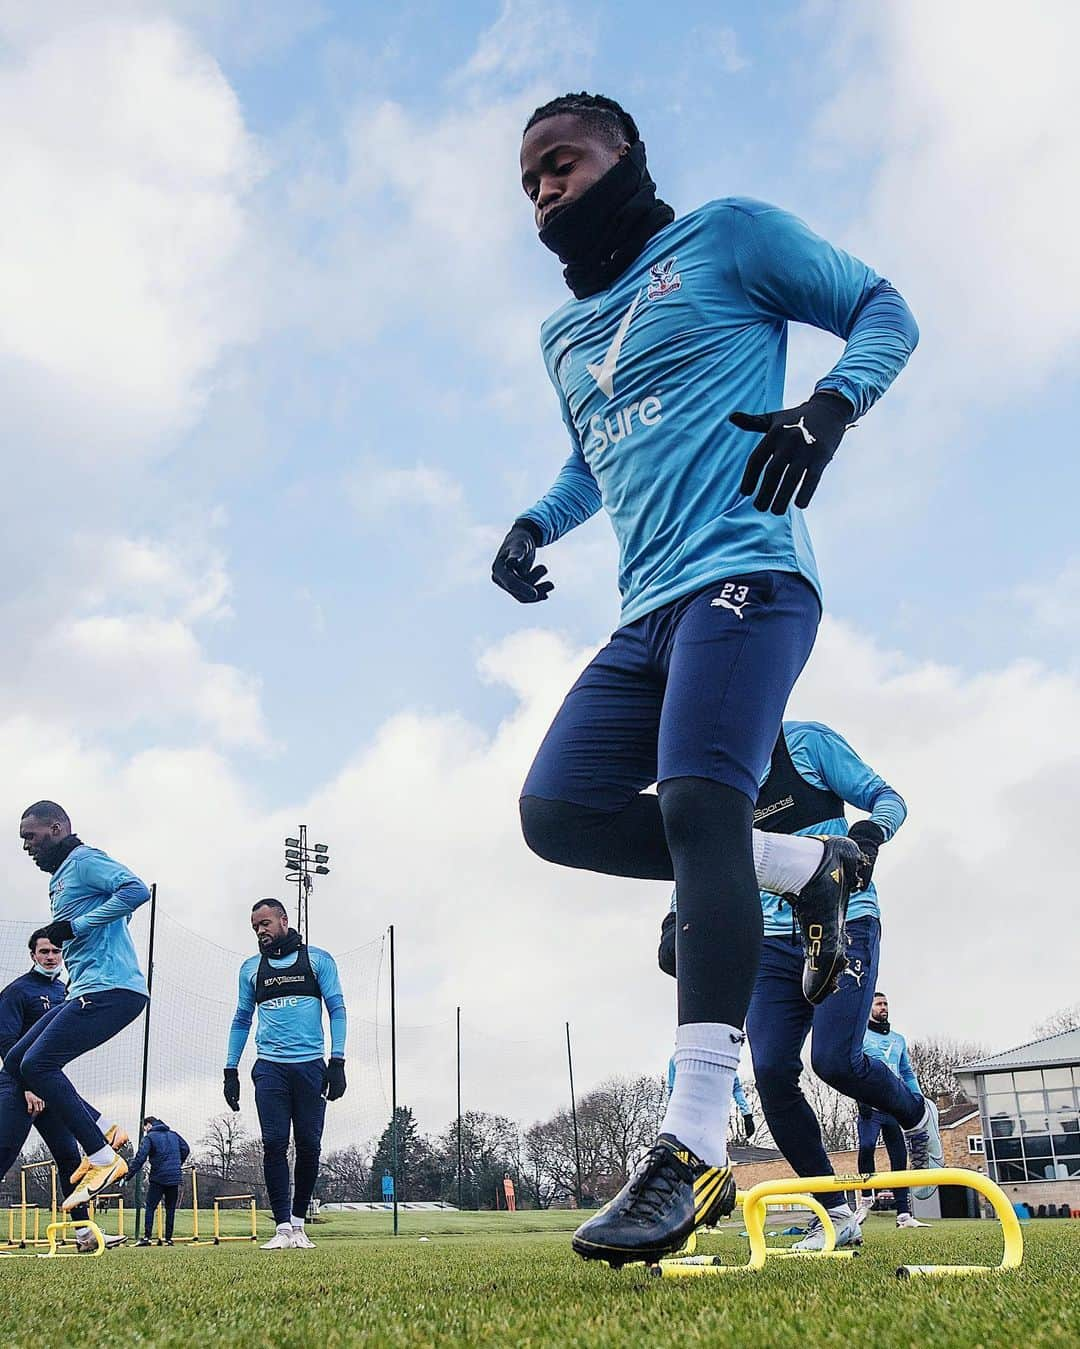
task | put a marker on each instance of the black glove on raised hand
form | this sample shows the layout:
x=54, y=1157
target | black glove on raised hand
x=665, y=956
x=231, y=1088
x=869, y=836
x=334, y=1086
x=60, y=932
x=797, y=445
x=749, y=1126
x=513, y=568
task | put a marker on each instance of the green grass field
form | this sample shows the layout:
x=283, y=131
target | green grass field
x=498, y=1279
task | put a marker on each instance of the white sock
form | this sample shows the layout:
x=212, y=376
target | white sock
x=285, y=1228
x=706, y=1058
x=297, y=1222
x=785, y=862
x=102, y=1157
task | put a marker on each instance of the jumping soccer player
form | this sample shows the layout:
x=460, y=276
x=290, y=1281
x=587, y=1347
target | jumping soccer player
x=890, y=1048
x=812, y=774
x=92, y=900
x=673, y=326
x=166, y=1151
x=22, y=1004
x=288, y=983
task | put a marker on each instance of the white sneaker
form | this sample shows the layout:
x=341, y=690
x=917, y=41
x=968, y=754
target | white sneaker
x=280, y=1241
x=301, y=1240
x=847, y=1233
x=909, y=1220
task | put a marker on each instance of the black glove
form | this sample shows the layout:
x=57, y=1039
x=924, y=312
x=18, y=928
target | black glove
x=334, y=1082
x=231, y=1088
x=869, y=836
x=797, y=441
x=748, y=1126
x=60, y=932
x=513, y=568
x=665, y=956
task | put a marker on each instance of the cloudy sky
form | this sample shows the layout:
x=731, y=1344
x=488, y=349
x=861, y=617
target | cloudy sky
x=269, y=299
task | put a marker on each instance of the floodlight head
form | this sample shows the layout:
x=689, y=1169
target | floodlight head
x=292, y=852
x=292, y=843
x=292, y=866
x=322, y=871
x=321, y=847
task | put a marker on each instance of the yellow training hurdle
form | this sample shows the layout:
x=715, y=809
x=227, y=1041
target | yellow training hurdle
x=91, y=1208
x=53, y=1240
x=248, y=1199
x=23, y=1208
x=759, y=1197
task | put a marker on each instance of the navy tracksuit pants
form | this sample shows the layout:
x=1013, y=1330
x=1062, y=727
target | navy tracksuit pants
x=289, y=1096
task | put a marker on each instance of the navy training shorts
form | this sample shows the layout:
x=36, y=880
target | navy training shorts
x=697, y=688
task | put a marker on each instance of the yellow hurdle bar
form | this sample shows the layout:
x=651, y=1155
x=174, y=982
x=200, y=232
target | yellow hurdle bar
x=699, y=1266
x=248, y=1199
x=54, y=1240
x=67, y=1223
x=119, y=1197
x=1012, y=1255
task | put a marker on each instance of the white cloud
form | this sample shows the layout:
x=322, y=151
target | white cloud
x=529, y=38
x=971, y=116
x=377, y=490
x=126, y=162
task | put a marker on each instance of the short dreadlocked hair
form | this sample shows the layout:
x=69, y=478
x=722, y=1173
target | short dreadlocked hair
x=599, y=113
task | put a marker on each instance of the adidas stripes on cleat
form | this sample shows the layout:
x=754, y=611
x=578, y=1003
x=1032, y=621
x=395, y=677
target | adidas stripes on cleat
x=670, y=1194
x=821, y=911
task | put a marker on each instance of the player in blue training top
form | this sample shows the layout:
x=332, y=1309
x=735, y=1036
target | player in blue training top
x=22, y=1004
x=812, y=774
x=288, y=982
x=742, y=1105
x=671, y=349
x=92, y=899
x=889, y=1046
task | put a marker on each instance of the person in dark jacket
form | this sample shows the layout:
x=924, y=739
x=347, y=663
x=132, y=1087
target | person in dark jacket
x=23, y=1003
x=166, y=1151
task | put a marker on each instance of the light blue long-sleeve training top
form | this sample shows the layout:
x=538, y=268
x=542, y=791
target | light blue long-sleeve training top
x=824, y=758
x=891, y=1049
x=289, y=1030
x=98, y=896
x=648, y=370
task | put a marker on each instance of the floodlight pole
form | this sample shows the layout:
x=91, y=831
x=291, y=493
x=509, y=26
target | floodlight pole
x=459, y=1108
x=573, y=1112
x=393, y=1076
x=146, y=1039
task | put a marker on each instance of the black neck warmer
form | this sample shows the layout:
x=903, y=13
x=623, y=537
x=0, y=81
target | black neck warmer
x=598, y=236
x=882, y=1027
x=285, y=947
x=52, y=856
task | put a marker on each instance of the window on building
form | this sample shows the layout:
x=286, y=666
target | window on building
x=975, y=1144
x=1031, y=1124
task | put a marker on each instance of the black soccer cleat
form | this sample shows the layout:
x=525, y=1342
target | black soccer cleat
x=821, y=911
x=670, y=1194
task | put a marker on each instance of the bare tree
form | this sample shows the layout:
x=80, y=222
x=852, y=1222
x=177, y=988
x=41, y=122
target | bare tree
x=344, y=1175
x=627, y=1113
x=1065, y=1018
x=836, y=1114
x=223, y=1140
x=935, y=1061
